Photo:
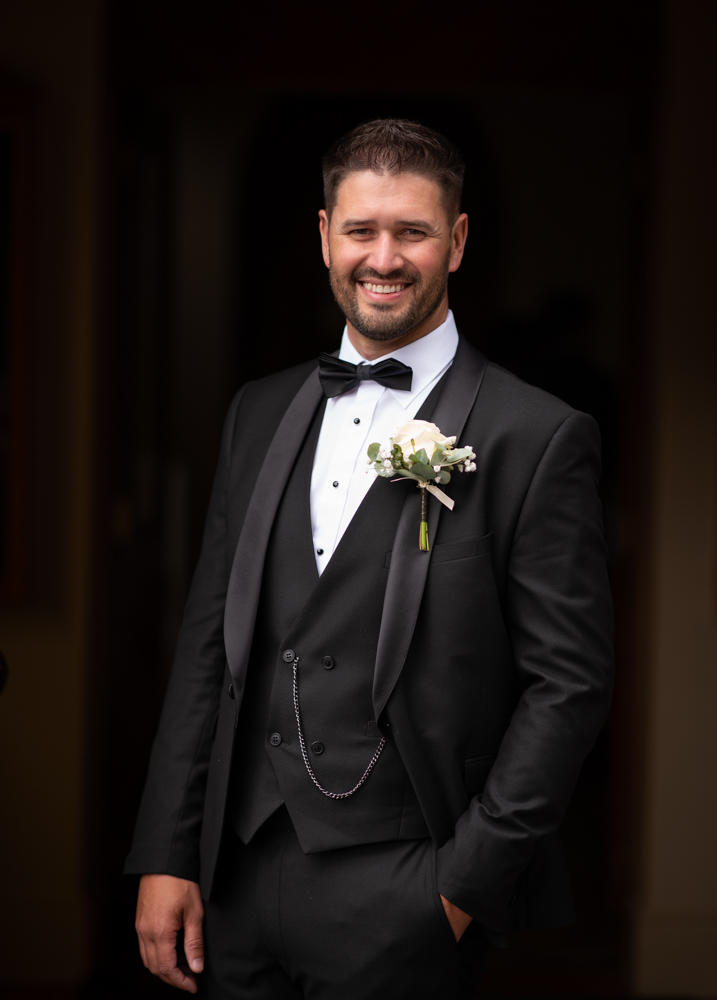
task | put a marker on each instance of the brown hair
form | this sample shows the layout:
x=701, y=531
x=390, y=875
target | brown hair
x=395, y=146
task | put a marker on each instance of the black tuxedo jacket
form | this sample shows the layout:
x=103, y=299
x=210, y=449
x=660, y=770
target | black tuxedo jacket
x=493, y=670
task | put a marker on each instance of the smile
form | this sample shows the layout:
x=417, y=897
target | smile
x=375, y=289
x=382, y=289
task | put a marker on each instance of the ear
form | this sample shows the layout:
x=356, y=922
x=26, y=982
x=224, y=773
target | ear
x=324, y=226
x=459, y=235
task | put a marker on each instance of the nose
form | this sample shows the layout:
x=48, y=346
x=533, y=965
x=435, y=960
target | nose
x=386, y=255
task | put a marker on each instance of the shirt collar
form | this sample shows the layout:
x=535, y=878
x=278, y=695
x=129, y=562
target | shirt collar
x=428, y=357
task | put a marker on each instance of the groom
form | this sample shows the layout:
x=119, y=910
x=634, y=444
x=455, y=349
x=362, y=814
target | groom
x=366, y=749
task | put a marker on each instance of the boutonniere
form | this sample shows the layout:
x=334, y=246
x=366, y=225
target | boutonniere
x=419, y=451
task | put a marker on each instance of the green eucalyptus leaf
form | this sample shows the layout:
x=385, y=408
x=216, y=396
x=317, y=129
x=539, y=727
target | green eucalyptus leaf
x=443, y=477
x=422, y=470
x=373, y=450
x=458, y=455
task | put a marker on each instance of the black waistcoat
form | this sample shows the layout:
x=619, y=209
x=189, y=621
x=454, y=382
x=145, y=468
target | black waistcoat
x=331, y=623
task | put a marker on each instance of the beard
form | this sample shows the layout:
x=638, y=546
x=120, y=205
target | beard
x=382, y=323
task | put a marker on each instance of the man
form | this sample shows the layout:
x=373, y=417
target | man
x=366, y=748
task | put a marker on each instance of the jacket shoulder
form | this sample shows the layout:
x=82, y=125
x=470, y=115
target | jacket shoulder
x=526, y=402
x=522, y=420
x=259, y=405
x=508, y=397
x=280, y=386
x=527, y=413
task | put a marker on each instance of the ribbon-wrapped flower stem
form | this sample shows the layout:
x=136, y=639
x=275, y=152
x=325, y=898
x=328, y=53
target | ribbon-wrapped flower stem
x=423, y=538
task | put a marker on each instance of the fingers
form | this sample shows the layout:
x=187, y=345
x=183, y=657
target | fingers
x=194, y=942
x=160, y=957
x=165, y=905
x=164, y=957
x=181, y=978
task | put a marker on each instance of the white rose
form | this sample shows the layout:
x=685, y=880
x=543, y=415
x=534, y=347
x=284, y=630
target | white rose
x=420, y=433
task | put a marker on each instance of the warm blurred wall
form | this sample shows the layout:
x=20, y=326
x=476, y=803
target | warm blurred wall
x=52, y=50
x=676, y=919
x=54, y=47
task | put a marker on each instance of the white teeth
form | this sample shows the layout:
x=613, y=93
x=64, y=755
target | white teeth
x=382, y=289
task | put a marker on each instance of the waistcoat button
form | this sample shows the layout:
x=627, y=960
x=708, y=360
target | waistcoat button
x=275, y=739
x=327, y=662
x=317, y=747
x=288, y=655
x=231, y=691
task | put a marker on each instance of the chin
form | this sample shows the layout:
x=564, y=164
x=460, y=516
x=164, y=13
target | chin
x=391, y=328
x=383, y=336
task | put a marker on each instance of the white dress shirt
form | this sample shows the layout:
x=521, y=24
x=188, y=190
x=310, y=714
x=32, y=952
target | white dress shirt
x=341, y=477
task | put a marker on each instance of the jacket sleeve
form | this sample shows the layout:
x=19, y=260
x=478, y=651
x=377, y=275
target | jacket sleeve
x=559, y=621
x=166, y=838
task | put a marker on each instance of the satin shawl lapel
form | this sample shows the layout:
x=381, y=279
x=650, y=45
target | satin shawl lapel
x=409, y=566
x=248, y=566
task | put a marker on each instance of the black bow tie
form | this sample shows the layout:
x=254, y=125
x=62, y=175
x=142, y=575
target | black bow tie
x=338, y=376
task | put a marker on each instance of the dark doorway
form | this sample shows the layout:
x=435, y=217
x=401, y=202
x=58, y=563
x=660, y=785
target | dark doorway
x=215, y=277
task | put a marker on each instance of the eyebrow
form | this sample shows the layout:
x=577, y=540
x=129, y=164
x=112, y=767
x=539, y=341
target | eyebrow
x=409, y=223
x=415, y=224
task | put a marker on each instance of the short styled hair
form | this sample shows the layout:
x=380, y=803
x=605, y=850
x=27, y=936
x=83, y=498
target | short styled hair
x=395, y=146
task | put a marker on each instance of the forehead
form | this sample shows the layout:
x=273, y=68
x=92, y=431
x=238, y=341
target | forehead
x=365, y=194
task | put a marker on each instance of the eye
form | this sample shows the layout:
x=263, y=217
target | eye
x=359, y=232
x=413, y=233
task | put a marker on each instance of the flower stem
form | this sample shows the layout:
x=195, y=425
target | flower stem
x=423, y=541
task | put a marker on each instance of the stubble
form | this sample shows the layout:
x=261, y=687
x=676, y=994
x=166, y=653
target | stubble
x=379, y=322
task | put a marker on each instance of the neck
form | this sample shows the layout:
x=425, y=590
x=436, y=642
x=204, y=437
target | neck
x=371, y=349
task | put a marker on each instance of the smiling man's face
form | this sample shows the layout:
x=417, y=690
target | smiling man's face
x=390, y=247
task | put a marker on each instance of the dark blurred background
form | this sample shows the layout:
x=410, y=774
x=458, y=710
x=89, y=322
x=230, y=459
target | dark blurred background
x=159, y=189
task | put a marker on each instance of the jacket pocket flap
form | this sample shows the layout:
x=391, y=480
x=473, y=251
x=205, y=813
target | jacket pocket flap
x=467, y=549
x=452, y=551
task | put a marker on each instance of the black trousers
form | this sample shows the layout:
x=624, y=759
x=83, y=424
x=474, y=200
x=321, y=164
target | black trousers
x=359, y=923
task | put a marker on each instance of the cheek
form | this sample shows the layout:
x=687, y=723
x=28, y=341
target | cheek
x=346, y=257
x=427, y=259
